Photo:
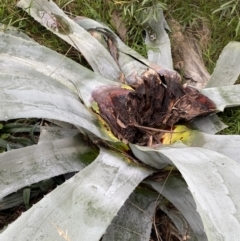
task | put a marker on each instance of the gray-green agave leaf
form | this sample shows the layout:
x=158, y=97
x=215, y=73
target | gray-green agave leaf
x=157, y=41
x=82, y=207
x=53, y=18
x=25, y=166
x=210, y=124
x=227, y=69
x=210, y=177
x=175, y=190
x=135, y=218
x=41, y=78
x=224, y=96
x=20, y=56
x=14, y=31
x=227, y=145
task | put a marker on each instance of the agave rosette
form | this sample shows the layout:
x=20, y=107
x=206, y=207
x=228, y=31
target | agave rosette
x=40, y=83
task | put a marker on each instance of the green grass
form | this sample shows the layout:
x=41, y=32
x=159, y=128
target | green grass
x=231, y=117
x=224, y=25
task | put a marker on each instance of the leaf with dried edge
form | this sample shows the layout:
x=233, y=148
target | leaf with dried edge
x=53, y=18
x=227, y=145
x=224, y=96
x=36, y=86
x=84, y=205
x=225, y=73
x=131, y=67
x=211, y=178
x=131, y=63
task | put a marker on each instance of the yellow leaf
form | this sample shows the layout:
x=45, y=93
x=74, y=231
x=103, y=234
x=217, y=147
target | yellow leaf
x=180, y=133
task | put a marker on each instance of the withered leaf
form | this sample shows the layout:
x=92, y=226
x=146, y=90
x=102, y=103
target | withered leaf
x=160, y=101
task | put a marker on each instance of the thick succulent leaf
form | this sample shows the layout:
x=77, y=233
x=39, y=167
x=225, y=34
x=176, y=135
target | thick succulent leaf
x=26, y=62
x=49, y=133
x=38, y=96
x=53, y=18
x=16, y=53
x=227, y=68
x=134, y=220
x=175, y=189
x=17, y=198
x=209, y=124
x=14, y=199
x=134, y=56
x=225, y=73
x=157, y=41
x=14, y=31
x=82, y=207
x=227, y=145
x=225, y=96
x=131, y=63
x=211, y=178
x=130, y=66
x=25, y=166
x=152, y=159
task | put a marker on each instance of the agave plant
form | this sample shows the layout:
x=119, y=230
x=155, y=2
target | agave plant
x=127, y=166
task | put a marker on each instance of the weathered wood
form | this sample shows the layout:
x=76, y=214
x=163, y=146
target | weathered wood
x=187, y=53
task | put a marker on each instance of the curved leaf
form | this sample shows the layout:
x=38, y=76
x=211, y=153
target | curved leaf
x=20, y=56
x=210, y=124
x=227, y=68
x=53, y=18
x=134, y=220
x=225, y=96
x=130, y=66
x=27, y=64
x=82, y=207
x=30, y=96
x=175, y=189
x=211, y=178
x=129, y=60
x=25, y=166
x=157, y=40
x=227, y=145
x=15, y=32
x=49, y=133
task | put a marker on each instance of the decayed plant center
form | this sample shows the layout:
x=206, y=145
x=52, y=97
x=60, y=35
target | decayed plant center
x=143, y=115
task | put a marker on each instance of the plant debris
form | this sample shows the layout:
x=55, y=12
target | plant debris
x=142, y=115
